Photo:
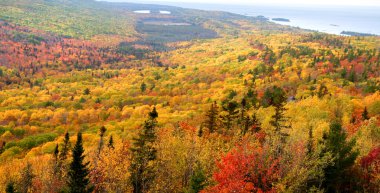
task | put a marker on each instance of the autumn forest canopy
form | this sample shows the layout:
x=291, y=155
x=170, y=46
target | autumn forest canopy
x=122, y=97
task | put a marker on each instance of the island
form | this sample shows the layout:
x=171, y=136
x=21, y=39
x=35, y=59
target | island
x=351, y=33
x=281, y=19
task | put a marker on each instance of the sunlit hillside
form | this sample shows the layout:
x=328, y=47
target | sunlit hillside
x=104, y=97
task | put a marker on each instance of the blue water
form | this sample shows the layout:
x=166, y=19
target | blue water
x=331, y=19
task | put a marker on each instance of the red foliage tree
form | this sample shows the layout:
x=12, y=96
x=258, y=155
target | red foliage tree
x=246, y=169
x=371, y=170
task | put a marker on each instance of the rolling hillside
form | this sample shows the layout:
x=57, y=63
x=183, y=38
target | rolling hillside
x=200, y=101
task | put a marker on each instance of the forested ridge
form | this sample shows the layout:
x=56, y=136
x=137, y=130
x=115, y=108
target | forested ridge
x=95, y=97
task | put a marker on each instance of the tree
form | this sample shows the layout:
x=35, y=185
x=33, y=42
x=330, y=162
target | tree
x=56, y=153
x=56, y=163
x=246, y=169
x=309, y=146
x=78, y=181
x=322, y=91
x=370, y=165
x=197, y=180
x=230, y=113
x=365, y=115
x=26, y=181
x=143, y=87
x=212, y=116
x=10, y=187
x=110, y=143
x=278, y=121
x=337, y=173
x=66, y=147
x=86, y=91
x=252, y=98
x=144, y=155
x=102, y=131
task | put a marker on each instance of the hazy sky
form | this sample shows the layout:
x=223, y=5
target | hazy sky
x=319, y=2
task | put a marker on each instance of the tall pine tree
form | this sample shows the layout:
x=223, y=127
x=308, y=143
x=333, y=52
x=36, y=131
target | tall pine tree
x=110, y=143
x=26, y=181
x=102, y=131
x=365, y=115
x=230, y=114
x=337, y=173
x=144, y=155
x=212, y=116
x=10, y=188
x=66, y=147
x=78, y=174
x=197, y=180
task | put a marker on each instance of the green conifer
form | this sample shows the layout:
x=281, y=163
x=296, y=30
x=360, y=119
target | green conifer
x=144, y=155
x=78, y=181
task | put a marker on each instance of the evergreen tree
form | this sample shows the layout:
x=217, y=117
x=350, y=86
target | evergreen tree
x=310, y=142
x=86, y=91
x=256, y=125
x=278, y=101
x=231, y=113
x=143, y=87
x=56, y=163
x=102, y=131
x=78, y=181
x=144, y=155
x=352, y=76
x=252, y=98
x=197, y=180
x=243, y=110
x=211, y=115
x=56, y=153
x=110, y=143
x=66, y=147
x=10, y=188
x=246, y=124
x=337, y=173
x=344, y=73
x=322, y=91
x=365, y=115
x=26, y=181
x=278, y=120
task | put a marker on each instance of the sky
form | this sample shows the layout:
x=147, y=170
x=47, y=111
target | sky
x=296, y=2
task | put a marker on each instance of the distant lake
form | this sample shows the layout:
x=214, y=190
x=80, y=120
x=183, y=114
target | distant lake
x=331, y=19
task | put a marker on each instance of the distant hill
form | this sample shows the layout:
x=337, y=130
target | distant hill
x=351, y=33
x=88, y=18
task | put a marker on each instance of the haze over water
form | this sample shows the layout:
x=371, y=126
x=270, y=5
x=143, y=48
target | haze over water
x=329, y=19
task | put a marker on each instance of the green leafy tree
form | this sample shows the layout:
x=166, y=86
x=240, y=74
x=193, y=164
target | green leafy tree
x=144, y=155
x=337, y=174
x=78, y=181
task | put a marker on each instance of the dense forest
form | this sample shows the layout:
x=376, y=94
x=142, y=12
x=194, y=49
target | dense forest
x=95, y=97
